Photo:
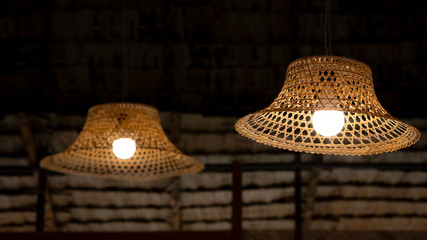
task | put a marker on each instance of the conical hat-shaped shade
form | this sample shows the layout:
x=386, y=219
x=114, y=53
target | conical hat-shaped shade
x=92, y=153
x=328, y=83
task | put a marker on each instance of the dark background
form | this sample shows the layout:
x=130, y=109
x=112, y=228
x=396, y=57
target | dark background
x=203, y=58
x=211, y=57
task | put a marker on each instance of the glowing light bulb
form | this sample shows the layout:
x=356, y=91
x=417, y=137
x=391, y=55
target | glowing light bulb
x=328, y=123
x=124, y=148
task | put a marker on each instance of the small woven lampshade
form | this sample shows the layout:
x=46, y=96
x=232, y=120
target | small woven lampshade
x=92, y=153
x=328, y=83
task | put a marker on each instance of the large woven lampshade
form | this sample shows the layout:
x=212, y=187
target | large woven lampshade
x=96, y=150
x=330, y=85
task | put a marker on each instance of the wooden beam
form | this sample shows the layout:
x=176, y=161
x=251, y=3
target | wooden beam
x=174, y=188
x=50, y=218
x=175, y=202
x=310, y=192
x=41, y=197
x=44, y=203
x=237, y=189
x=310, y=196
x=28, y=138
x=297, y=200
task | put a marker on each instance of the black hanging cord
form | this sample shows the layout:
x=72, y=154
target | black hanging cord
x=327, y=28
x=124, y=55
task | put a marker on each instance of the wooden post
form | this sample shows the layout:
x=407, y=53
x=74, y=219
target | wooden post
x=297, y=201
x=237, y=201
x=43, y=206
x=175, y=204
x=175, y=197
x=28, y=138
x=41, y=197
x=310, y=192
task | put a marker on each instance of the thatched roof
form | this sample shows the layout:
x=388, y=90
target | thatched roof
x=343, y=198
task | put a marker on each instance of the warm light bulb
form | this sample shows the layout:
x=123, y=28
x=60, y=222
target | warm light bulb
x=124, y=148
x=328, y=123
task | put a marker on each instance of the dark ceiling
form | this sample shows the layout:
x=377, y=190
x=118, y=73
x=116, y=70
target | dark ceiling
x=212, y=57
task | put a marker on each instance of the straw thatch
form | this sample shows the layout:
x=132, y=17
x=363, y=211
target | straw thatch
x=390, y=224
x=371, y=207
x=269, y=224
x=116, y=227
x=17, y=218
x=372, y=192
x=207, y=226
x=17, y=182
x=17, y=201
x=81, y=214
x=345, y=198
x=112, y=198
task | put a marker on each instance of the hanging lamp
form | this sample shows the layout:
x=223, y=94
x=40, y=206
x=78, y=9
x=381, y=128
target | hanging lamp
x=328, y=106
x=123, y=141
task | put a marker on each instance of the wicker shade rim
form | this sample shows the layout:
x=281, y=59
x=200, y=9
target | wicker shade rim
x=264, y=139
x=324, y=58
x=196, y=167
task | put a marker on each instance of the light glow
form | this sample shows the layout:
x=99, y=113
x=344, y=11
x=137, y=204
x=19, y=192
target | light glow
x=328, y=123
x=124, y=148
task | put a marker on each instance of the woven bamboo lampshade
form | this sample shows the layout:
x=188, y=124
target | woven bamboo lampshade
x=95, y=151
x=328, y=83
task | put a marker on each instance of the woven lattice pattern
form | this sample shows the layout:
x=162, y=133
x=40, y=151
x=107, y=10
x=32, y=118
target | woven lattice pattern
x=91, y=154
x=328, y=83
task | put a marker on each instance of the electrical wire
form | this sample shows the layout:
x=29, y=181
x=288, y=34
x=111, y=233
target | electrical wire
x=124, y=55
x=327, y=28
